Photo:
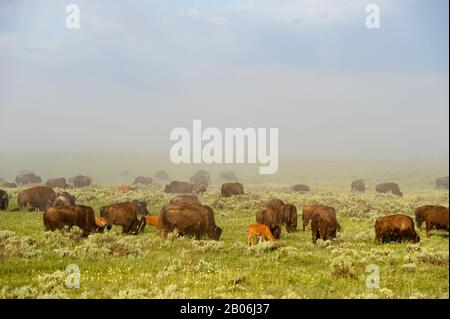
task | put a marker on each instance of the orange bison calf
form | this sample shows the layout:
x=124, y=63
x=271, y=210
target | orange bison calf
x=260, y=230
x=151, y=221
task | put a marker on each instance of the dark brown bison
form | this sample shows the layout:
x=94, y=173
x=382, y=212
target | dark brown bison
x=28, y=179
x=122, y=214
x=70, y=198
x=310, y=210
x=197, y=220
x=143, y=180
x=442, y=182
x=275, y=204
x=200, y=178
x=231, y=189
x=396, y=228
x=75, y=215
x=4, y=200
x=268, y=216
x=161, y=175
x=301, y=188
x=228, y=176
x=358, y=186
x=61, y=201
x=37, y=197
x=183, y=200
x=80, y=181
x=8, y=185
x=177, y=187
x=389, y=188
x=57, y=182
x=323, y=225
x=434, y=216
x=287, y=216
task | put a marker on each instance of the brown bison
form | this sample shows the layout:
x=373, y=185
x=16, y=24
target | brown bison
x=434, y=217
x=228, y=176
x=200, y=178
x=193, y=219
x=358, y=186
x=183, y=200
x=4, y=200
x=37, y=197
x=61, y=201
x=388, y=188
x=287, y=216
x=57, y=182
x=310, y=210
x=143, y=180
x=268, y=216
x=8, y=185
x=69, y=198
x=259, y=230
x=122, y=214
x=396, y=228
x=177, y=187
x=301, y=188
x=323, y=225
x=142, y=206
x=231, y=189
x=75, y=215
x=80, y=181
x=275, y=204
x=28, y=179
x=442, y=182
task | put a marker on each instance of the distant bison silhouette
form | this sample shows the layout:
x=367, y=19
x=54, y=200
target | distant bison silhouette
x=57, y=182
x=434, y=216
x=232, y=189
x=442, y=182
x=177, y=187
x=37, y=197
x=4, y=200
x=228, y=176
x=301, y=188
x=143, y=180
x=388, y=188
x=28, y=179
x=201, y=177
x=358, y=186
x=80, y=181
x=395, y=228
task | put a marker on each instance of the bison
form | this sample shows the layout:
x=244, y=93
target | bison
x=268, y=216
x=358, y=186
x=396, y=228
x=434, y=216
x=259, y=230
x=442, y=182
x=143, y=180
x=287, y=216
x=80, y=181
x=231, y=189
x=57, y=182
x=275, y=204
x=61, y=201
x=323, y=225
x=37, y=197
x=75, y=215
x=301, y=188
x=192, y=219
x=142, y=206
x=4, y=200
x=201, y=178
x=122, y=214
x=228, y=176
x=177, y=187
x=310, y=210
x=70, y=198
x=389, y=188
x=151, y=221
x=183, y=200
x=28, y=179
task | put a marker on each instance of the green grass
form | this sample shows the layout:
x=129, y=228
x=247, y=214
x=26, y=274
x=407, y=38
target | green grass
x=33, y=262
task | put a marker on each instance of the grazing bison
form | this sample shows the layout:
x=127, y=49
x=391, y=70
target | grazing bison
x=389, y=188
x=228, y=176
x=358, y=186
x=275, y=204
x=259, y=230
x=161, y=175
x=310, y=210
x=75, y=215
x=125, y=189
x=122, y=214
x=268, y=216
x=8, y=185
x=37, y=197
x=301, y=188
x=323, y=225
x=143, y=180
x=442, y=182
x=183, y=200
x=151, y=221
x=28, y=179
x=231, y=189
x=61, y=201
x=70, y=198
x=177, y=187
x=80, y=181
x=142, y=206
x=200, y=178
x=434, y=216
x=396, y=228
x=287, y=216
x=193, y=219
x=57, y=182
x=4, y=200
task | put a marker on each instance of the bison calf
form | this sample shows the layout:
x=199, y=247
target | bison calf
x=259, y=230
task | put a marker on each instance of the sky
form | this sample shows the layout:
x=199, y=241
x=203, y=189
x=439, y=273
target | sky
x=134, y=71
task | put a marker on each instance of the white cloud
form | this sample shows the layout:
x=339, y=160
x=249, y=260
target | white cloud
x=196, y=14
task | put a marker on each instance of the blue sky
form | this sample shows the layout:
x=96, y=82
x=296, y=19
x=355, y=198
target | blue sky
x=134, y=71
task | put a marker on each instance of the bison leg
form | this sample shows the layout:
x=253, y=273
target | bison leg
x=109, y=227
x=428, y=229
x=249, y=239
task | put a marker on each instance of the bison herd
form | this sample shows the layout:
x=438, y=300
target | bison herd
x=185, y=215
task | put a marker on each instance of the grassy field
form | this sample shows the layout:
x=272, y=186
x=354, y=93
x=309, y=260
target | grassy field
x=33, y=262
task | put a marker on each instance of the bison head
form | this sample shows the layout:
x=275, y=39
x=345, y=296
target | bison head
x=101, y=223
x=276, y=231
